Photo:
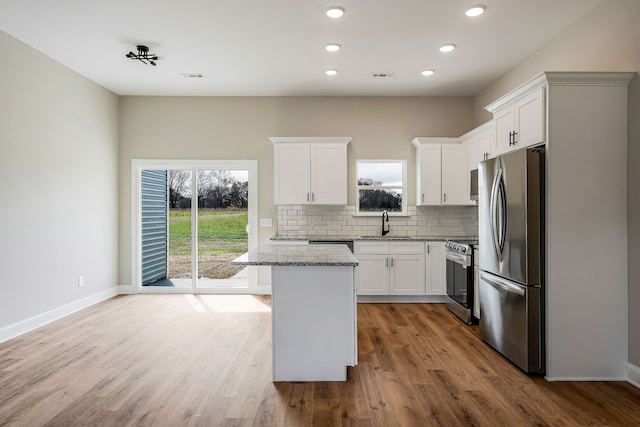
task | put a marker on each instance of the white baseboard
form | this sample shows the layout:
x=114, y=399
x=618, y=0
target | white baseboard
x=633, y=374
x=402, y=298
x=35, y=322
x=126, y=290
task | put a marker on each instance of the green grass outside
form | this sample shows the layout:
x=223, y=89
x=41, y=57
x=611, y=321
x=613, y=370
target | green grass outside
x=220, y=231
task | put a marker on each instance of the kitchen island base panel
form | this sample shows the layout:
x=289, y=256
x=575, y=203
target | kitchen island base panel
x=314, y=322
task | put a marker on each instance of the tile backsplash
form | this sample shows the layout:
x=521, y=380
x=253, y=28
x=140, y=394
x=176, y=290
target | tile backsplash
x=302, y=221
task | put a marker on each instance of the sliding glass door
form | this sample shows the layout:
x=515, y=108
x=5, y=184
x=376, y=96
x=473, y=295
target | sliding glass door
x=192, y=220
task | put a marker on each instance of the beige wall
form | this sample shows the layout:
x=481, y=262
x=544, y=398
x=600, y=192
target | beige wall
x=58, y=168
x=239, y=128
x=606, y=39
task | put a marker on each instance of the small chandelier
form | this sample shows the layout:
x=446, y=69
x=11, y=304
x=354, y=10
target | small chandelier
x=143, y=55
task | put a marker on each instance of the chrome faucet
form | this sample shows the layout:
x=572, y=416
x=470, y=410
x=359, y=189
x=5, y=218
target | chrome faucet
x=385, y=230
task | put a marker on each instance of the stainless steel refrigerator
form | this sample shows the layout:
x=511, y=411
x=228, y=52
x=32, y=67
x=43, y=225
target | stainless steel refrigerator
x=511, y=238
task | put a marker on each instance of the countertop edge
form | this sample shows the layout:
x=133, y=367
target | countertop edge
x=297, y=255
x=277, y=238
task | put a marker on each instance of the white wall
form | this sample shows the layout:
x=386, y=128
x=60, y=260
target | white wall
x=240, y=127
x=58, y=169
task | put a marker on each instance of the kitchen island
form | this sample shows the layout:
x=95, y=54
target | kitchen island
x=313, y=309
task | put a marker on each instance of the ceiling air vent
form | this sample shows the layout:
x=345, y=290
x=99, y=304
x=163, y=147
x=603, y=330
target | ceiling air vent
x=192, y=75
x=383, y=75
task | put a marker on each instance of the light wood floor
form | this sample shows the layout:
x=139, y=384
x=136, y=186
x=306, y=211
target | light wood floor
x=173, y=360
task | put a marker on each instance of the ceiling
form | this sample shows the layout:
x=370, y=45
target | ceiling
x=277, y=47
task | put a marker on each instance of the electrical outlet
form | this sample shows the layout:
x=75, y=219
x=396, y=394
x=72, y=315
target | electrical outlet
x=266, y=222
x=80, y=281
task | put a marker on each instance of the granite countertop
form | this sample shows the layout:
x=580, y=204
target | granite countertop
x=374, y=237
x=298, y=255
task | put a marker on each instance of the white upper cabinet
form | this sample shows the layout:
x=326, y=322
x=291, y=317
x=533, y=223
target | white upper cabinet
x=310, y=170
x=520, y=123
x=455, y=175
x=292, y=173
x=480, y=146
x=429, y=174
x=441, y=172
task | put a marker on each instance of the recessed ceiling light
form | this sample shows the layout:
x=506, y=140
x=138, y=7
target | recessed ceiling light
x=331, y=72
x=447, y=47
x=427, y=72
x=476, y=10
x=333, y=47
x=335, y=12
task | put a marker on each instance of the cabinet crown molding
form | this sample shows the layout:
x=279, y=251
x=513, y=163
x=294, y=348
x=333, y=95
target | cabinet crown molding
x=486, y=127
x=310, y=139
x=589, y=78
x=562, y=78
x=434, y=140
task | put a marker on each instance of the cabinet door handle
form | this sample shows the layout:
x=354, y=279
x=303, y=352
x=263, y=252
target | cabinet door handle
x=510, y=138
x=444, y=195
x=422, y=197
x=313, y=197
x=514, y=137
x=391, y=262
x=307, y=197
x=428, y=246
x=386, y=264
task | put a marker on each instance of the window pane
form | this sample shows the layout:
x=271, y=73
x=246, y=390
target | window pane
x=222, y=219
x=180, y=227
x=378, y=200
x=380, y=173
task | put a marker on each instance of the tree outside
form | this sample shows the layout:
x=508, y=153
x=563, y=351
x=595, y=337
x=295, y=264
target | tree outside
x=376, y=199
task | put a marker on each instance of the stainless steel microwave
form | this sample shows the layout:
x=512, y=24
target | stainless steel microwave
x=473, y=187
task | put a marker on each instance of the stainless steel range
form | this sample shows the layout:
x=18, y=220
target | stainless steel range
x=460, y=278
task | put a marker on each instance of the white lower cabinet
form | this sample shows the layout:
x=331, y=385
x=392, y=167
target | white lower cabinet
x=436, y=280
x=390, y=267
x=373, y=274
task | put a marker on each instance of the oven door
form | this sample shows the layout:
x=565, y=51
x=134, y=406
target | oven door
x=459, y=274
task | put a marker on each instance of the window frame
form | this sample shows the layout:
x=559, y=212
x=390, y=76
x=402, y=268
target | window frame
x=403, y=187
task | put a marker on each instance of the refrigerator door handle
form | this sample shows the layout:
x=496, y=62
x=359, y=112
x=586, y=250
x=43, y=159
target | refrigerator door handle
x=499, y=214
x=502, y=214
x=502, y=284
x=494, y=214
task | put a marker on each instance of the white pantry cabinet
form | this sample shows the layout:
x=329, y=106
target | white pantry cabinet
x=520, y=123
x=441, y=172
x=436, y=269
x=310, y=170
x=390, y=267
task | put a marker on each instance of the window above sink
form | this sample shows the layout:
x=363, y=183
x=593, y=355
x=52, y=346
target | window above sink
x=381, y=185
